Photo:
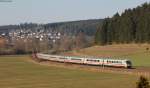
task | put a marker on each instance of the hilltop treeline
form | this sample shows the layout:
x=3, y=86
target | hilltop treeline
x=27, y=37
x=131, y=26
x=87, y=27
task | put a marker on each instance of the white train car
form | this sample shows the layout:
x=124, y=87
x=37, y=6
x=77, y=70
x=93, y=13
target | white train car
x=63, y=59
x=117, y=63
x=48, y=57
x=89, y=61
x=78, y=60
x=94, y=61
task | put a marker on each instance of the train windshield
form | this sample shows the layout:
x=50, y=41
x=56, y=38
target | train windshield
x=129, y=64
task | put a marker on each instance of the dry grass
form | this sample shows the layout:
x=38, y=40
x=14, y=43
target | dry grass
x=19, y=72
x=139, y=54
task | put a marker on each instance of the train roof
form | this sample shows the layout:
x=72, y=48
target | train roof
x=92, y=57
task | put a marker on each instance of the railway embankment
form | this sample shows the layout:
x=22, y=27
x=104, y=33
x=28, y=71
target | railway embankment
x=137, y=71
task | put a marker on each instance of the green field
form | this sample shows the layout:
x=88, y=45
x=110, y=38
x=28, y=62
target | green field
x=142, y=59
x=20, y=72
x=136, y=53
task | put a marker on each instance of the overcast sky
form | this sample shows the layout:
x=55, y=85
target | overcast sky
x=48, y=11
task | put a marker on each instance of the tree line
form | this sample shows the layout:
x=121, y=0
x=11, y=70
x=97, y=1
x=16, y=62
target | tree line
x=72, y=28
x=74, y=35
x=132, y=26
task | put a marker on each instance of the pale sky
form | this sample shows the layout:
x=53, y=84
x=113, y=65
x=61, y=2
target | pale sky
x=48, y=11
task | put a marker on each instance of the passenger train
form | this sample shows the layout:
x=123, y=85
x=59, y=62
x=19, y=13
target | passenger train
x=87, y=60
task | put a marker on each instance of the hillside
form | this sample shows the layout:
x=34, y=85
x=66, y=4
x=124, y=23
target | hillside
x=56, y=37
x=88, y=27
x=130, y=26
x=138, y=54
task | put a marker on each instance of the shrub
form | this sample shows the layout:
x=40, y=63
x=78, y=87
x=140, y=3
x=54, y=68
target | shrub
x=143, y=83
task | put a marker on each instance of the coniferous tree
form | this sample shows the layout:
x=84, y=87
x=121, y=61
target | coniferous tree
x=103, y=32
x=143, y=83
x=131, y=26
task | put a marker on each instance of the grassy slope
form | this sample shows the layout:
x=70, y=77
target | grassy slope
x=137, y=53
x=18, y=72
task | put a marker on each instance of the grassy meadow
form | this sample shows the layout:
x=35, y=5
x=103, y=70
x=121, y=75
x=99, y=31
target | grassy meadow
x=138, y=54
x=20, y=72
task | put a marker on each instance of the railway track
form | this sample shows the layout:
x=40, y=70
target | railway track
x=138, y=71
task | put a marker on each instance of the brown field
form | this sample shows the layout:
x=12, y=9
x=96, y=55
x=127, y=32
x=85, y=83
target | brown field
x=111, y=50
x=22, y=72
x=139, y=54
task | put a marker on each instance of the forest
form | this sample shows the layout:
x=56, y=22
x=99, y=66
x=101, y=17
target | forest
x=132, y=26
x=72, y=28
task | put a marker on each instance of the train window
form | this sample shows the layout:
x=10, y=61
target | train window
x=62, y=58
x=88, y=60
x=128, y=62
x=53, y=57
x=75, y=59
x=113, y=61
x=109, y=62
x=97, y=60
x=93, y=60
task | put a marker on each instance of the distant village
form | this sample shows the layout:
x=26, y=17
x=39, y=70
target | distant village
x=26, y=34
x=26, y=38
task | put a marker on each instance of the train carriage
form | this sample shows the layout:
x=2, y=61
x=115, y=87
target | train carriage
x=117, y=63
x=63, y=59
x=76, y=60
x=90, y=61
